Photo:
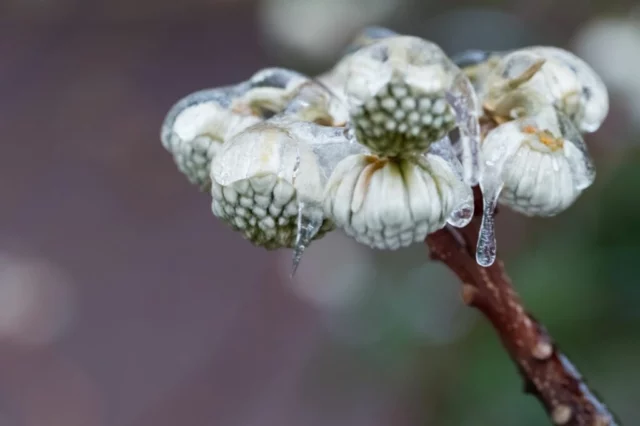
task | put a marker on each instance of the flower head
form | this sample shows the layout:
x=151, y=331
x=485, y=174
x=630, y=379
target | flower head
x=526, y=80
x=389, y=203
x=542, y=163
x=197, y=125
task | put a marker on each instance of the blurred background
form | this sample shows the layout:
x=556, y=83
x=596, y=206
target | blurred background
x=123, y=302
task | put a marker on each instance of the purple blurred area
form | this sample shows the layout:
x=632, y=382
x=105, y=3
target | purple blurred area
x=125, y=303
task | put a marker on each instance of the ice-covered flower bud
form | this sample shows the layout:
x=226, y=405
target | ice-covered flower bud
x=404, y=94
x=396, y=90
x=535, y=165
x=388, y=203
x=527, y=80
x=591, y=105
x=260, y=180
x=545, y=163
x=197, y=125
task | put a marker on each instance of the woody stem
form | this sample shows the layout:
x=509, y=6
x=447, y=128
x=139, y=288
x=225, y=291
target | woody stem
x=547, y=372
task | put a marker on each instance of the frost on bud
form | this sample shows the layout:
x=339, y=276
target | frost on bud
x=391, y=203
x=536, y=165
x=197, y=125
x=404, y=94
x=528, y=80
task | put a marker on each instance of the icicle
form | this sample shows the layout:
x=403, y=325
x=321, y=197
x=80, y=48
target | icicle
x=308, y=226
x=462, y=98
x=487, y=246
x=504, y=147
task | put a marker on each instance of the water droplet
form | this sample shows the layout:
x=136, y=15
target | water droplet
x=461, y=215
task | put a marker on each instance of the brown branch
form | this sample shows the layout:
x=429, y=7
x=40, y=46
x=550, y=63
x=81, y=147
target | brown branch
x=548, y=374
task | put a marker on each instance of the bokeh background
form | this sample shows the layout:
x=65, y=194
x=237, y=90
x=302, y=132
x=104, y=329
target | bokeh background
x=123, y=302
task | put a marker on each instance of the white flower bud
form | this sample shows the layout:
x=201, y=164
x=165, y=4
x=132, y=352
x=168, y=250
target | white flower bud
x=541, y=162
x=592, y=99
x=404, y=94
x=396, y=90
x=392, y=203
x=528, y=80
x=198, y=124
x=258, y=182
x=268, y=181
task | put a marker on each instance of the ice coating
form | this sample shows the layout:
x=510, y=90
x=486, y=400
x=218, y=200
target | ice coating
x=308, y=226
x=273, y=173
x=426, y=190
x=470, y=58
x=478, y=66
x=463, y=211
x=491, y=184
x=593, y=95
x=527, y=80
x=367, y=37
x=396, y=90
x=577, y=154
x=196, y=126
x=467, y=108
x=336, y=78
x=297, y=153
x=514, y=88
x=313, y=102
x=537, y=166
x=271, y=90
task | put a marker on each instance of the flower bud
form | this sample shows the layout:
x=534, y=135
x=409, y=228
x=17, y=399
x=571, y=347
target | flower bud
x=404, y=94
x=391, y=203
x=198, y=124
x=259, y=181
x=528, y=80
x=396, y=90
x=541, y=161
x=590, y=105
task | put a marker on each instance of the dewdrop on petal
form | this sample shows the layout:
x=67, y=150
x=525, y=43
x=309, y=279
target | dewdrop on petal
x=390, y=203
x=197, y=125
x=405, y=94
x=537, y=166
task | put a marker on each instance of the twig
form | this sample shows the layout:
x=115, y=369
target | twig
x=548, y=374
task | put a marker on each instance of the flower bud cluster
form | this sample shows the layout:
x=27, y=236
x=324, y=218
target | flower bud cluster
x=366, y=146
